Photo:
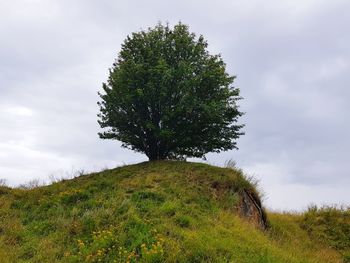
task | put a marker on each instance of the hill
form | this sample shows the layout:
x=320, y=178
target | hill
x=163, y=211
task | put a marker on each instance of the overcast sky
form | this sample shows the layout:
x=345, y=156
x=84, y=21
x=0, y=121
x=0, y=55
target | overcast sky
x=291, y=58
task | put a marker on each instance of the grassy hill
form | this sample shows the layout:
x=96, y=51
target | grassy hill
x=162, y=212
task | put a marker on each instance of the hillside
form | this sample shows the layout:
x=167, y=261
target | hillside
x=163, y=212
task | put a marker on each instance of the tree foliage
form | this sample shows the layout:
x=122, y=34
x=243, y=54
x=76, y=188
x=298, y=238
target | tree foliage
x=167, y=97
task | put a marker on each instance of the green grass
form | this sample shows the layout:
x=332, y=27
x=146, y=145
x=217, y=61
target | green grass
x=160, y=212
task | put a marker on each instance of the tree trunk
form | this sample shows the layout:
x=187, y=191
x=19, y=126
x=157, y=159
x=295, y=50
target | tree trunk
x=155, y=153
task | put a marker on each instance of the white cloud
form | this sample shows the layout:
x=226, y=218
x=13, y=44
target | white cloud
x=17, y=111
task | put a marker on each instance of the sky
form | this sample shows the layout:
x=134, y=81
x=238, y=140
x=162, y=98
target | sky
x=291, y=59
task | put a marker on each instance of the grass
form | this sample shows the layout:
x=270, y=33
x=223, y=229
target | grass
x=160, y=212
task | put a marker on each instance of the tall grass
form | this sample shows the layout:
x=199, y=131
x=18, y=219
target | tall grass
x=156, y=212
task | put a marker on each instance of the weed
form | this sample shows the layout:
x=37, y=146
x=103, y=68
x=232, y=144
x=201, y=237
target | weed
x=183, y=220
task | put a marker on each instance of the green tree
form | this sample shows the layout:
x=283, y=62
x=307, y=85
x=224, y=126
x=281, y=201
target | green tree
x=167, y=97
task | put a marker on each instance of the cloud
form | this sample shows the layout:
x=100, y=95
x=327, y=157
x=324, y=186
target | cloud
x=291, y=59
x=17, y=111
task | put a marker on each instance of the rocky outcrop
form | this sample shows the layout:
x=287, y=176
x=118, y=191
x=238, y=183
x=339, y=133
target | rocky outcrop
x=250, y=208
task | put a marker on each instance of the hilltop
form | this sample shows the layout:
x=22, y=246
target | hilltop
x=163, y=211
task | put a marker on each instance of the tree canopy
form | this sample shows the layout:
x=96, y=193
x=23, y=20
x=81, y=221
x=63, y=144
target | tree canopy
x=168, y=97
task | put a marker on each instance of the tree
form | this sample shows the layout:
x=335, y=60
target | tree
x=168, y=98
